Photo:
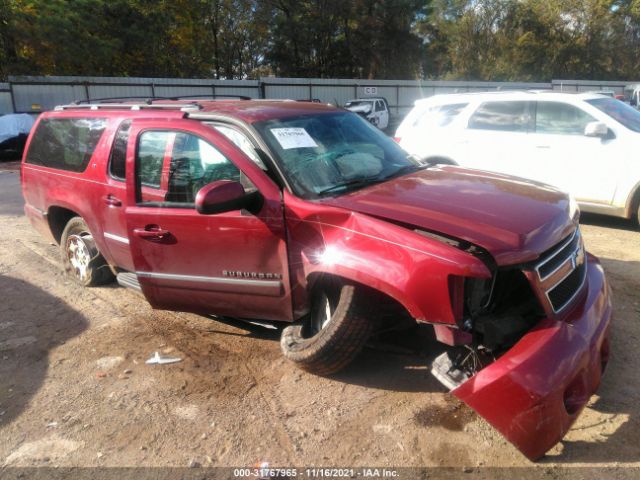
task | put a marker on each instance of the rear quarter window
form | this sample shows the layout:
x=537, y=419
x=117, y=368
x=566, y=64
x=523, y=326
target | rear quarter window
x=65, y=143
x=439, y=115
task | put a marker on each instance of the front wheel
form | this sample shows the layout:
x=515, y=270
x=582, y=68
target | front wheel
x=80, y=256
x=334, y=332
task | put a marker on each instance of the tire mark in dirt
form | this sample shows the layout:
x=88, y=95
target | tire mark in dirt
x=209, y=352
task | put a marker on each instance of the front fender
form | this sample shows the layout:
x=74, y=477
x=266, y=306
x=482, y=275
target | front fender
x=412, y=269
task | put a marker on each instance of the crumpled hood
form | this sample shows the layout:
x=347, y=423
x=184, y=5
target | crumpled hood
x=512, y=218
x=362, y=108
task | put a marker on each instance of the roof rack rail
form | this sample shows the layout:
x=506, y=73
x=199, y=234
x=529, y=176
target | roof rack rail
x=206, y=97
x=129, y=106
x=145, y=102
x=144, y=98
x=149, y=100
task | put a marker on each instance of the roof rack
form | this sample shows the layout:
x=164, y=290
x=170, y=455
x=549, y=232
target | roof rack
x=207, y=97
x=146, y=102
x=129, y=106
x=149, y=100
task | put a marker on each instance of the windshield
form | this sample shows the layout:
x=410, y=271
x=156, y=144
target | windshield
x=332, y=153
x=620, y=111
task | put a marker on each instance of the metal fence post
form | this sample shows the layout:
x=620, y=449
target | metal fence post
x=13, y=100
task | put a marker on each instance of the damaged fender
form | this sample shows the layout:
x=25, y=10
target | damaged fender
x=409, y=267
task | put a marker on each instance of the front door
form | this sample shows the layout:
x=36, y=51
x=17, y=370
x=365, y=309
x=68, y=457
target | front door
x=561, y=154
x=232, y=263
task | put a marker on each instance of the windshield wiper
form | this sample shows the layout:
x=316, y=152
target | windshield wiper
x=408, y=169
x=357, y=182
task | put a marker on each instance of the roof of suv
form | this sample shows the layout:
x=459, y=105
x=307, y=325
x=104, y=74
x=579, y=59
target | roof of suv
x=507, y=95
x=247, y=110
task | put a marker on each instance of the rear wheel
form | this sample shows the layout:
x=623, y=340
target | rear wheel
x=80, y=256
x=333, y=334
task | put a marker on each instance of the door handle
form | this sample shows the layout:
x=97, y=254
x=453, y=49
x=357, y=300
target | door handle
x=152, y=232
x=112, y=201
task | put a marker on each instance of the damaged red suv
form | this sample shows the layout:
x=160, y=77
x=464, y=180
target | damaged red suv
x=303, y=213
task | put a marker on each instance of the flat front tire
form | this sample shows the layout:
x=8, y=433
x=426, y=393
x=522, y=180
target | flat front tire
x=333, y=334
x=81, y=259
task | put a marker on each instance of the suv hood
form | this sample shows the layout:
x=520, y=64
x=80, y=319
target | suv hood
x=513, y=219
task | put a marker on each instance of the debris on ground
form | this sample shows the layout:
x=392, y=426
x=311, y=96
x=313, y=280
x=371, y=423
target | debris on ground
x=156, y=358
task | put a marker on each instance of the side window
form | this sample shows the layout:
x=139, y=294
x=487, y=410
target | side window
x=192, y=164
x=65, y=143
x=439, y=116
x=506, y=116
x=561, y=118
x=118, y=158
x=150, y=157
x=242, y=142
x=379, y=106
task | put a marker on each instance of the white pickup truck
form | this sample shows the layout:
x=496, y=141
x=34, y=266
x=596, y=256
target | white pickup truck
x=372, y=109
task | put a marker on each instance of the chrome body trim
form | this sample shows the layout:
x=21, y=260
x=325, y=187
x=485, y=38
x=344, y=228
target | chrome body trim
x=117, y=238
x=272, y=288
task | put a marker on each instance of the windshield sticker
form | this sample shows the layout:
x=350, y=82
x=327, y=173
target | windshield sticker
x=293, y=138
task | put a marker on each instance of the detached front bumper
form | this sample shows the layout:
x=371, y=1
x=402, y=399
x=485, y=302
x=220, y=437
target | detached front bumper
x=535, y=391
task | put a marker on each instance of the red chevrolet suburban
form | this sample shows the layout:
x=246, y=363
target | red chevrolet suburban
x=303, y=213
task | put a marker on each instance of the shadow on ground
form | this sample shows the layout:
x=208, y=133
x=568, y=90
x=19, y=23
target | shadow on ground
x=619, y=393
x=608, y=222
x=32, y=323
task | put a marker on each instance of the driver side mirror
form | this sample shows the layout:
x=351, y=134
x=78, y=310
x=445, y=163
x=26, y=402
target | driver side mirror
x=596, y=129
x=226, y=196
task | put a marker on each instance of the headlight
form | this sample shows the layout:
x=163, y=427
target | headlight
x=574, y=209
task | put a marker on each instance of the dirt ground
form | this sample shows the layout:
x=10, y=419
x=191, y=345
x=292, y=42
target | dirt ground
x=75, y=389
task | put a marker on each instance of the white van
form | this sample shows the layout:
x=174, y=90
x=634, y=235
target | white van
x=585, y=144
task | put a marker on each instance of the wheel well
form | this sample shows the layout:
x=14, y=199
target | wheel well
x=388, y=310
x=58, y=218
x=440, y=160
x=635, y=203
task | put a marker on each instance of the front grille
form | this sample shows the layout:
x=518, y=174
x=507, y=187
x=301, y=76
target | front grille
x=566, y=289
x=561, y=272
x=555, y=258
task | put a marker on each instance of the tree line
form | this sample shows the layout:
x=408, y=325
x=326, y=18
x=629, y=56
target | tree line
x=518, y=40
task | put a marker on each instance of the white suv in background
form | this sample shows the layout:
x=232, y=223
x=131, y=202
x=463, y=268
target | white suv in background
x=585, y=144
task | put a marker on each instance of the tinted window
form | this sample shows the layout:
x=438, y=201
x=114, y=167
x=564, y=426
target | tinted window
x=379, y=106
x=65, y=143
x=150, y=156
x=503, y=116
x=561, y=118
x=623, y=113
x=117, y=161
x=194, y=163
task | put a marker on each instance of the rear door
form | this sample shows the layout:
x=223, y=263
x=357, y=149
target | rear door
x=232, y=263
